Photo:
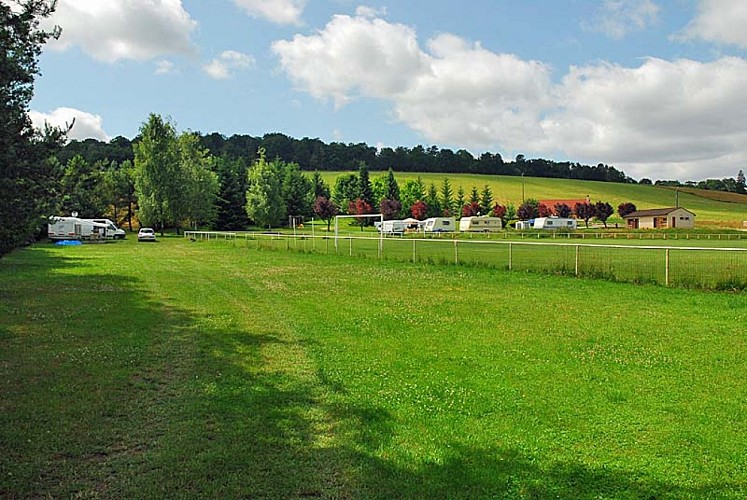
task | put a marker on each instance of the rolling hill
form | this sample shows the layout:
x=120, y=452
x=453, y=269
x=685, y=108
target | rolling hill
x=711, y=208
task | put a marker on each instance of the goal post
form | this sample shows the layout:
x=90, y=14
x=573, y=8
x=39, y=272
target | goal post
x=366, y=216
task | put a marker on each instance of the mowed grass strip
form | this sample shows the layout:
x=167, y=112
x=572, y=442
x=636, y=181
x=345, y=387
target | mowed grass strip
x=191, y=369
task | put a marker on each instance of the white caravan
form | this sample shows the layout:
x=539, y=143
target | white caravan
x=73, y=228
x=554, y=223
x=392, y=227
x=439, y=225
x=112, y=231
x=483, y=224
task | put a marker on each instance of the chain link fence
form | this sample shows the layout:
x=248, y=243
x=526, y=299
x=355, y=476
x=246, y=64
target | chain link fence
x=683, y=266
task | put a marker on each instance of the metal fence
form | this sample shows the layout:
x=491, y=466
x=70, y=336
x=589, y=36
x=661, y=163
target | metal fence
x=684, y=266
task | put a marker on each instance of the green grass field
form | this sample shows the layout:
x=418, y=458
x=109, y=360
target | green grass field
x=506, y=189
x=192, y=369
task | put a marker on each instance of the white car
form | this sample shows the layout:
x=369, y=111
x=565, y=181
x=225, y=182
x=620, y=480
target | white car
x=146, y=234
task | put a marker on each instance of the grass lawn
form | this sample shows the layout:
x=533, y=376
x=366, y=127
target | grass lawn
x=195, y=369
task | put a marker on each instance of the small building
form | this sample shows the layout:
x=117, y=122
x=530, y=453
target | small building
x=661, y=218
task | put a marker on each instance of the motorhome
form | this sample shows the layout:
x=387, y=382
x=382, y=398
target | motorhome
x=73, y=228
x=397, y=227
x=483, y=224
x=112, y=231
x=555, y=223
x=439, y=225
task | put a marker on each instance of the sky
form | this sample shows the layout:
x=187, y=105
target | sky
x=656, y=88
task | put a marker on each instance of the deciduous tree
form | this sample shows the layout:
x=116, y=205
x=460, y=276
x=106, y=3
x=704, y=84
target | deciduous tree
x=528, y=210
x=471, y=209
x=602, y=211
x=585, y=211
x=159, y=182
x=563, y=210
x=390, y=208
x=264, y=197
x=626, y=208
x=419, y=209
x=360, y=207
x=325, y=209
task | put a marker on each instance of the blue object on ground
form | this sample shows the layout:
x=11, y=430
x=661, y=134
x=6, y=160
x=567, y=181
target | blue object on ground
x=67, y=242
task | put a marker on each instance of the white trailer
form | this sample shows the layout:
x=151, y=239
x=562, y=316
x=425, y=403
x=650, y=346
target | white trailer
x=439, y=225
x=482, y=224
x=73, y=228
x=397, y=227
x=555, y=223
x=112, y=231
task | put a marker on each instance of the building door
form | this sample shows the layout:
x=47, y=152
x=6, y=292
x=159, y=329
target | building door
x=674, y=221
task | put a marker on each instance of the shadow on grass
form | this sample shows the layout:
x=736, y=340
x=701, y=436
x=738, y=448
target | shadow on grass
x=110, y=391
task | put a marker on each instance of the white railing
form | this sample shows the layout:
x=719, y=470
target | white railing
x=691, y=266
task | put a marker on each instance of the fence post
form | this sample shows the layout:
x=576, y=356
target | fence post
x=666, y=269
x=414, y=255
x=456, y=252
x=351, y=246
x=577, y=252
x=510, y=256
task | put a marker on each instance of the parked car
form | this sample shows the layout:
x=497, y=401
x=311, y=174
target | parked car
x=146, y=234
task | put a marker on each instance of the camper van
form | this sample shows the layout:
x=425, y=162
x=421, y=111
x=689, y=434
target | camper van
x=480, y=224
x=73, y=228
x=392, y=227
x=554, y=223
x=439, y=225
x=112, y=231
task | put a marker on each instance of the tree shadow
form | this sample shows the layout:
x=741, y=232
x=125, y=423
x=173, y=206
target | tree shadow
x=112, y=392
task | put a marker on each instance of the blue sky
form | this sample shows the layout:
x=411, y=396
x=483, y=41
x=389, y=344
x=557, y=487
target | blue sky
x=654, y=87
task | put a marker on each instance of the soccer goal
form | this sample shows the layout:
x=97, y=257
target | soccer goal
x=366, y=216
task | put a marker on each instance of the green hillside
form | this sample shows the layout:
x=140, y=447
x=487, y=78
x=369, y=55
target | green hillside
x=506, y=189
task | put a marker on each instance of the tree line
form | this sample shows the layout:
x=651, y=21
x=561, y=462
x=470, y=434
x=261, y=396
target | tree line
x=314, y=154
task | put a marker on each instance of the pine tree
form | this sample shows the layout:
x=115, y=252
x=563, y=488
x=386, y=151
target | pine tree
x=741, y=183
x=447, y=197
x=486, y=200
x=29, y=177
x=392, y=188
x=365, y=192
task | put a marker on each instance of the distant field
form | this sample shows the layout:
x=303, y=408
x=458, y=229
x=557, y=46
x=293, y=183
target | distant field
x=506, y=189
x=187, y=369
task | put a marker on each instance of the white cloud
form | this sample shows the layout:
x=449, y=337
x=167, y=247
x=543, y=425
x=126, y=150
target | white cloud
x=165, y=67
x=85, y=125
x=616, y=18
x=221, y=67
x=366, y=11
x=684, y=114
x=276, y=11
x=721, y=21
x=113, y=30
x=353, y=56
x=677, y=119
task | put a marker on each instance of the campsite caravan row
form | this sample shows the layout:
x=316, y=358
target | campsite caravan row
x=73, y=228
x=441, y=225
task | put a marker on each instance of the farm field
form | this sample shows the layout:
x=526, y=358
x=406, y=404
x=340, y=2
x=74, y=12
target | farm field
x=507, y=189
x=207, y=369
